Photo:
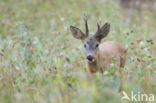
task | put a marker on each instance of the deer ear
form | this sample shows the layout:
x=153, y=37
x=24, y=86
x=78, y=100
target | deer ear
x=77, y=33
x=103, y=32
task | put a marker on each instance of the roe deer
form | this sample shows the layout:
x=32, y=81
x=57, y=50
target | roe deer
x=99, y=56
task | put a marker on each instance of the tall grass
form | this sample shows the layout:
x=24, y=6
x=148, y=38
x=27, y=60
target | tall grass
x=40, y=61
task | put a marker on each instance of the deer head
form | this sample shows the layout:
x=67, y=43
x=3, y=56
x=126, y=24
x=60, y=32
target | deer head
x=91, y=42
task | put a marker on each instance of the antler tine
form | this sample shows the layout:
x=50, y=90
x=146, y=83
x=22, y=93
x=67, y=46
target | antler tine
x=99, y=21
x=98, y=28
x=98, y=25
x=86, y=25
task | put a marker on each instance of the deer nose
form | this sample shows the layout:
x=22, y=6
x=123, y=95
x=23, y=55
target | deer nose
x=90, y=58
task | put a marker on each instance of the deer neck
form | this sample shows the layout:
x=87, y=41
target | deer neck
x=94, y=66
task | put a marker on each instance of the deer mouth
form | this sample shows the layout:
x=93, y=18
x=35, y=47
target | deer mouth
x=90, y=59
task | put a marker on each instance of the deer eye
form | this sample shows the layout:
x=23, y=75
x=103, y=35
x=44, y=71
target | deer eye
x=97, y=45
x=85, y=45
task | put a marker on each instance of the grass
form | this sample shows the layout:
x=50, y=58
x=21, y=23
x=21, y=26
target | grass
x=40, y=61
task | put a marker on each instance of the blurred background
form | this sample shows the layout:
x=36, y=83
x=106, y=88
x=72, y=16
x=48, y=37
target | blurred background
x=40, y=61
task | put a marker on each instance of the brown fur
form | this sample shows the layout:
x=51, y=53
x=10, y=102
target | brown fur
x=106, y=51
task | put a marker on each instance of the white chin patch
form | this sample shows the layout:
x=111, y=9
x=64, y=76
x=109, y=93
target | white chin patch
x=93, y=60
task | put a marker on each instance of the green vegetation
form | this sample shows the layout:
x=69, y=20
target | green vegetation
x=40, y=61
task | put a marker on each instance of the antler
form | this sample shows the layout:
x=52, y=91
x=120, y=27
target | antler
x=86, y=25
x=98, y=29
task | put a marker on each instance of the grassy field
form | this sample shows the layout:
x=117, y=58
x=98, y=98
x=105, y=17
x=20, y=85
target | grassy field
x=40, y=61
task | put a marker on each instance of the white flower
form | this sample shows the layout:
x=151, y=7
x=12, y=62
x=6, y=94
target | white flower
x=126, y=46
x=65, y=27
x=105, y=73
x=17, y=68
x=146, y=49
x=62, y=19
x=46, y=51
x=141, y=43
x=112, y=64
x=134, y=26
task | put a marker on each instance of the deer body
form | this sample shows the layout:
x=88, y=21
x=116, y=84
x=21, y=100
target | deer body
x=99, y=56
x=106, y=51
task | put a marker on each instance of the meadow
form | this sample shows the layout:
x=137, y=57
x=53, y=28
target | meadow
x=40, y=61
